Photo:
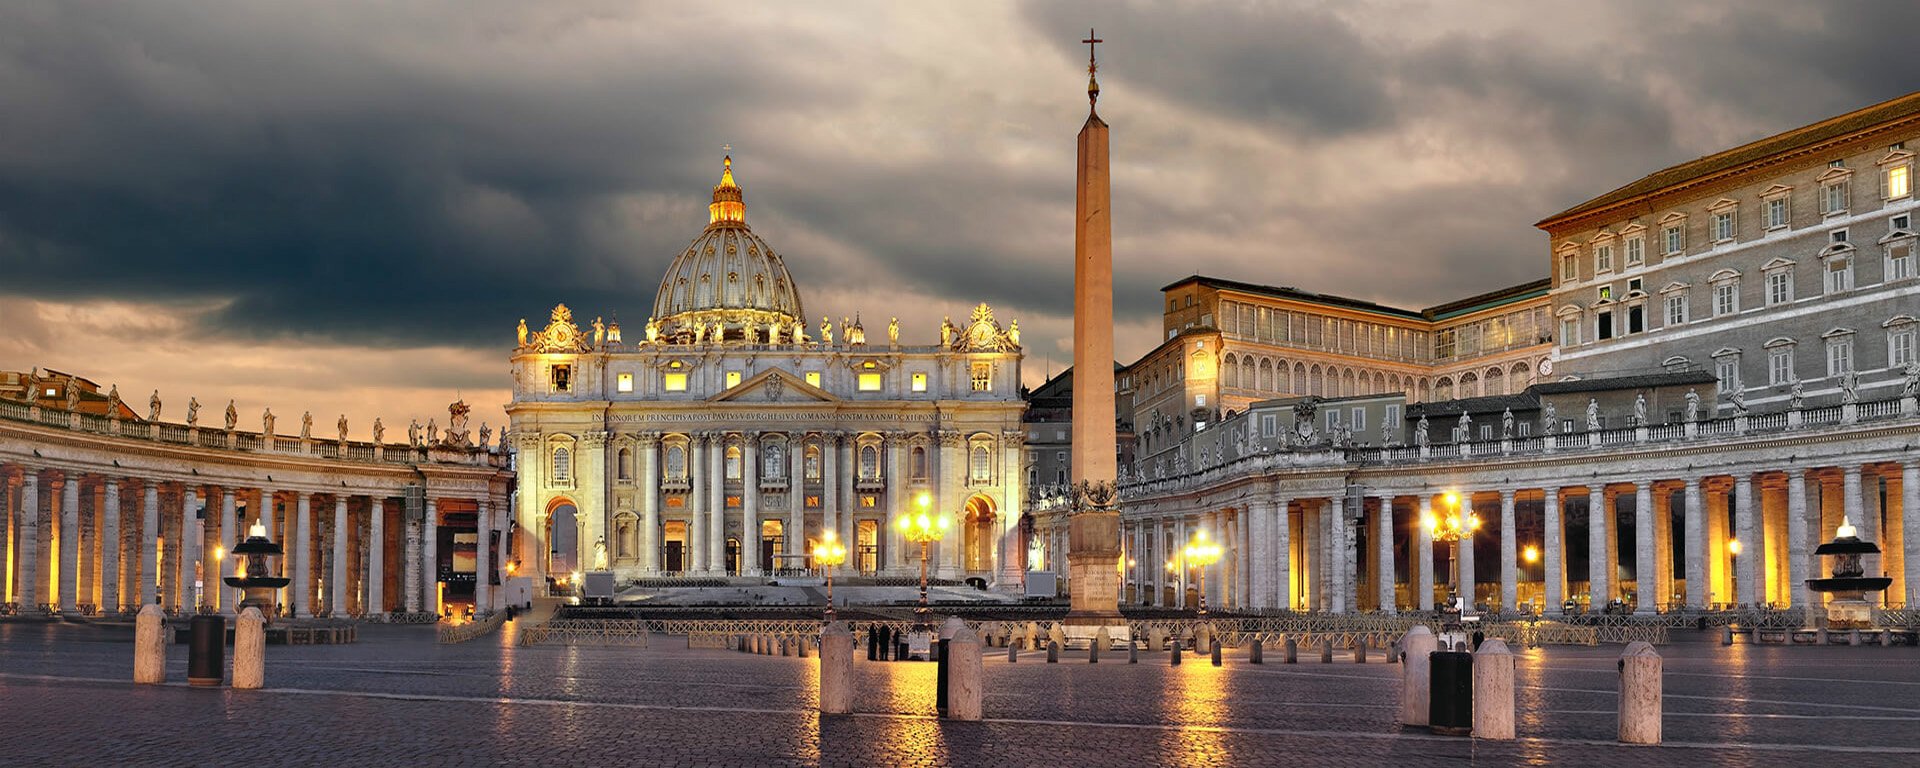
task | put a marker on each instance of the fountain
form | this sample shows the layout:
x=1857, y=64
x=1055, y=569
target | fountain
x=1848, y=609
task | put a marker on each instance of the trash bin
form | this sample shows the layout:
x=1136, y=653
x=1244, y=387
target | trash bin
x=1450, y=708
x=206, y=650
x=940, y=678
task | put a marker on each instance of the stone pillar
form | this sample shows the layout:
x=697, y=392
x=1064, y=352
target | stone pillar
x=27, y=589
x=1853, y=501
x=1423, y=556
x=337, y=597
x=1158, y=536
x=1599, y=548
x=1339, y=569
x=430, y=557
x=149, y=542
x=1469, y=585
x=376, y=557
x=110, y=541
x=750, y=506
x=1798, y=540
x=1554, y=571
x=717, y=505
x=1646, y=586
x=1748, y=590
x=410, y=566
x=797, y=500
x=1663, y=544
x=697, y=548
x=592, y=512
x=1258, y=555
x=1384, y=542
x=951, y=497
x=483, y=559
x=1909, y=528
x=1313, y=583
x=229, y=527
x=1696, y=544
x=651, y=542
x=69, y=517
x=843, y=479
x=300, y=555
x=831, y=501
x=1509, y=556
x=1185, y=571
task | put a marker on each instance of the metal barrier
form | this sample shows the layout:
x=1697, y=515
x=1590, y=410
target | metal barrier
x=460, y=633
x=587, y=632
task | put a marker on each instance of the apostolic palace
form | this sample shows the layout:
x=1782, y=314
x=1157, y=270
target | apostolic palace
x=1718, y=369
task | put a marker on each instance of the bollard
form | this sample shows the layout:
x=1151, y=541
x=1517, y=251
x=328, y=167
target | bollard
x=966, y=676
x=1493, y=690
x=1216, y=654
x=1057, y=636
x=1033, y=635
x=1202, y=638
x=1053, y=652
x=1293, y=652
x=150, y=646
x=1415, y=647
x=1820, y=636
x=1156, y=639
x=1640, y=691
x=952, y=626
x=1133, y=650
x=1727, y=638
x=249, y=649
x=1360, y=651
x=1176, y=654
x=800, y=646
x=836, y=669
x=1013, y=654
x=1853, y=637
x=206, y=649
x=1255, y=654
x=1326, y=652
x=785, y=644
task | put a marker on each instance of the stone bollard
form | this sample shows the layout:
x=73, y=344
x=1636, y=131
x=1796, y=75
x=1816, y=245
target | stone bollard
x=1156, y=639
x=150, y=646
x=1013, y=654
x=250, y=649
x=1176, y=655
x=1820, y=636
x=1255, y=654
x=1293, y=652
x=1033, y=635
x=800, y=646
x=1727, y=638
x=1493, y=690
x=1360, y=651
x=1415, y=685
x=1053, y=652
x=1133, y=650
x=1216, y=654
x=836, y=669
x=1102, y=640
x=1853, y=637
x=786, y=643
x=1202, y=638
x=1640, y=691
x=1057, y=636
x=1326, y=651
x=966, y=677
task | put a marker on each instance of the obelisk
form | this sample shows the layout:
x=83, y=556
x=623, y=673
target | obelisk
x=1093, y=533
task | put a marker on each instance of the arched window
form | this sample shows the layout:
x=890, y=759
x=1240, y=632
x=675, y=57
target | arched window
x=1442, y=389
x=625, y=464
x=1266, y=376
x=562, y=465
x=919, y=463
x=982, y=464
x=1469, y=385
x=1496, y=382
x=733, y=462
x=813, y=462
x=1280, y=377
x=1521, y=377
x=1230, y=371
x=771, y=461
x=676, y=462
x=869, y=462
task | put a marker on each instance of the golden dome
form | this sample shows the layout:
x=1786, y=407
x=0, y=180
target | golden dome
x=728, y=274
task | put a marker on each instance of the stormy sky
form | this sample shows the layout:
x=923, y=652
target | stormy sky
x=346, y=206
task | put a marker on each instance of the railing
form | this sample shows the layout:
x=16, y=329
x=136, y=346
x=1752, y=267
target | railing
x=592, y=632
x=1879, y=409
x=460, y=633
x=1827, y=415
x=1767, y=422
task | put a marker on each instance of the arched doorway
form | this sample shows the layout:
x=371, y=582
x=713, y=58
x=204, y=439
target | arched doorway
x=980, y=534
x=563, y=540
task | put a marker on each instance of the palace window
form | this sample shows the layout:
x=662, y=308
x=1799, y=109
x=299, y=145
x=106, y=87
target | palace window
x=1780, y=364
x=1833, y=198
x=1726, y=368
x=1897, y=181
x=625, y=382
x=1570, y=330
x=673, y=382
x=773, y=462
x=1839, y=273
x=1675, y=238
x=1723, y=226
x=1677, y=309
x=676, y=462
x=1900, y=344
x=982, y=377
x=1726, y=297
x=812, y=462
x=869, y=382
x=1777, y=212
x=1636, y=251
x=1603, y=258
x=869, y=463
x=1779, y=286
x=562, y=467
x=562, y=376
x=1900, y=259
x=1603, y=325
x=981, y=465
x=1358, y=418
x=1840, y=354
x=1268, y=424
x=733, y=462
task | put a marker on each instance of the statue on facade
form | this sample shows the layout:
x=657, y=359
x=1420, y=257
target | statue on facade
x=153, y=406
x=306, y=425
x=1593, y=415
x=433, y=432
x=1465, y=428
x=826, y=330
x=600, y=554
x=751, y=332
x=652, y=330
x=1693, y=406
x=946, y=331
x=1549, y=423
x=856, y=333
x=523, y=333
x=1797, y=395
x=486, y=435
x=73, y=395
x=113, y=402
x=1911, y=388
x=1739, y=398
x=342, y=426
x=799, y=334
x=773, y=332
x=1420, y=432
x=599, y=332
x=1640, y=409
x=193, y=412
x=1506, y=424
x=457, y=422
x=233, y=416
x=266, y=423
x=718, y=333
x=1013, y=332
x=379, y=432
x=413, y=433
x=1850, y=388
x=893, y=331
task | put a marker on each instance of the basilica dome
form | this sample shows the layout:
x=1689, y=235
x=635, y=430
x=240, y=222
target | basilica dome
x=727, y=276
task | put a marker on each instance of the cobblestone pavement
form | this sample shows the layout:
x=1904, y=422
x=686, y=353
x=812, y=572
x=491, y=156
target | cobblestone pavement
x=398, y=698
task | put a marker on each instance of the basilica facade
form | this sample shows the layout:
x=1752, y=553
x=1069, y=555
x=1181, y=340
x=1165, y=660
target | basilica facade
x=730, y=435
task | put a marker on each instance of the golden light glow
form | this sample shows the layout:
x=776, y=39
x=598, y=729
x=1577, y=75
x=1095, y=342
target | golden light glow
x=923, y=527
x=1846, y=529
x=1200, y=552
x=829, y=552
x=1531, y=554
x=219, y=553
x=923, y=501
x=1454, y=526
x=1451, y=498
x=258, y=531
x=1733, y=546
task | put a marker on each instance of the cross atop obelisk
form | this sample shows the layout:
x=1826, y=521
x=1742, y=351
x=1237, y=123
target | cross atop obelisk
x=1093, y=67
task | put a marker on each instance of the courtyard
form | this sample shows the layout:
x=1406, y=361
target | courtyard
x=399, y=698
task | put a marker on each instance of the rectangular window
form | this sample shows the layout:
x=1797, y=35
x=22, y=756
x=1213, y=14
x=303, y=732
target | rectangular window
x=1675, y=238
x=1677, y=309
x=1899, y=182
x=1839, y=274
x=919, y=382
x=1636, y=251
x=1268, y=423
x=813, y=379
x=1839, y=356
x=1837, y=236
x=1779, y=287
x=869, y=382
x=982, y=377
x=1333, y=420
x=1900, y=260
x=1606, y=293
x=1727, y=369
x=562, y=377
x=1603, y=258
x=1486, y=431
x=1523, y=428
x=1393, y=415
x=1358, y=418
x=1901, y=221
x=1776, y=213
x=1569, y=331
x=1900, y=347
x=673, y=382
x=733, y=379
x=1569, y=268
x=1833, y=199
x=1637, y=319
x=1727, y=298
x=1780, y=366
x=625, y=382
x=1443, y=344
x=1723, y=226
x=1603, y=326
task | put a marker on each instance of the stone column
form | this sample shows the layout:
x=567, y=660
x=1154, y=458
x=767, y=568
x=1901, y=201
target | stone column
x=69, y=517
x=430, y=557
x=1509, y=553
x=1469, y=585
x=1259, y=555
x=1663, y=544
x=1554, y=571
x=1646, y=586
x=337, y=601
x=797, y=500
x=1798, y=540
x=842, y=477
x=110, y=541
x=595, y=503
x=1180, y=539
x=149, y=542
x=191, y=539
x=1853, y=501
x=1156, y=537
x=651, y=542
x=717, y=504
x=376, y=557
x=830, y=499
x=300, y=555
x=952, y=493
x=1339, y=570
x=1313, y=554
x=8, y=540
x=750, y=506
x=229, y=520
x=697, y=548
x=1599, y=547
x=482, y=588
x=410, y=563
x=1384, y=544
x=1748, y=590
x=1423, y=555
x=27, y=589
x=1910, y=528
x=1013, y=493
x=1696, y=544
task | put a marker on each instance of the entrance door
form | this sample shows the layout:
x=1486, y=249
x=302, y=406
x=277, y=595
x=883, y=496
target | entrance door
x=674, y=558
x=866, y=535
x=733, y=556
x=772, y=540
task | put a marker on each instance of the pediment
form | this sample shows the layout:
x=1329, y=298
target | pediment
x=1778, y=262
x=1776, y=190
x=774, y=385
x=1632, y=229
x=1895, y=156
x=1833, y=174
x=1898, y=234
x=1673, y=217
x=1675, y=286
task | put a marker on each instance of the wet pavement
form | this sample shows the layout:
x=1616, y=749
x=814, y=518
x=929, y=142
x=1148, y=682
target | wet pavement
x=399, y=698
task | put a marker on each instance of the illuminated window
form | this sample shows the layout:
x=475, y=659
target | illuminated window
x=733, y=462
x=869, y=382
x=869, y=463
x=562, y=465
x=733, y=379
x=869, y=502
x=563, y=378
x=981, y=465
x=676, y=462
x=1899, y=181
x=812, y=466
x=982, y=377
x=673, y=382
x=919, y=382
x=813, y=379
x=625, y=382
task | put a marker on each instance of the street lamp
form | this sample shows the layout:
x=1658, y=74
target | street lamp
x=827, y=554
x=923, y=528
x=1454, y=528
x=1202, y=553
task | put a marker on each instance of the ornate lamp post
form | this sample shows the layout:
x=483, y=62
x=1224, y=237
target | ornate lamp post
x=1201, y=553
x=827, y=554
x=257, y=575
x=1457, y=529
x=923, y=529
